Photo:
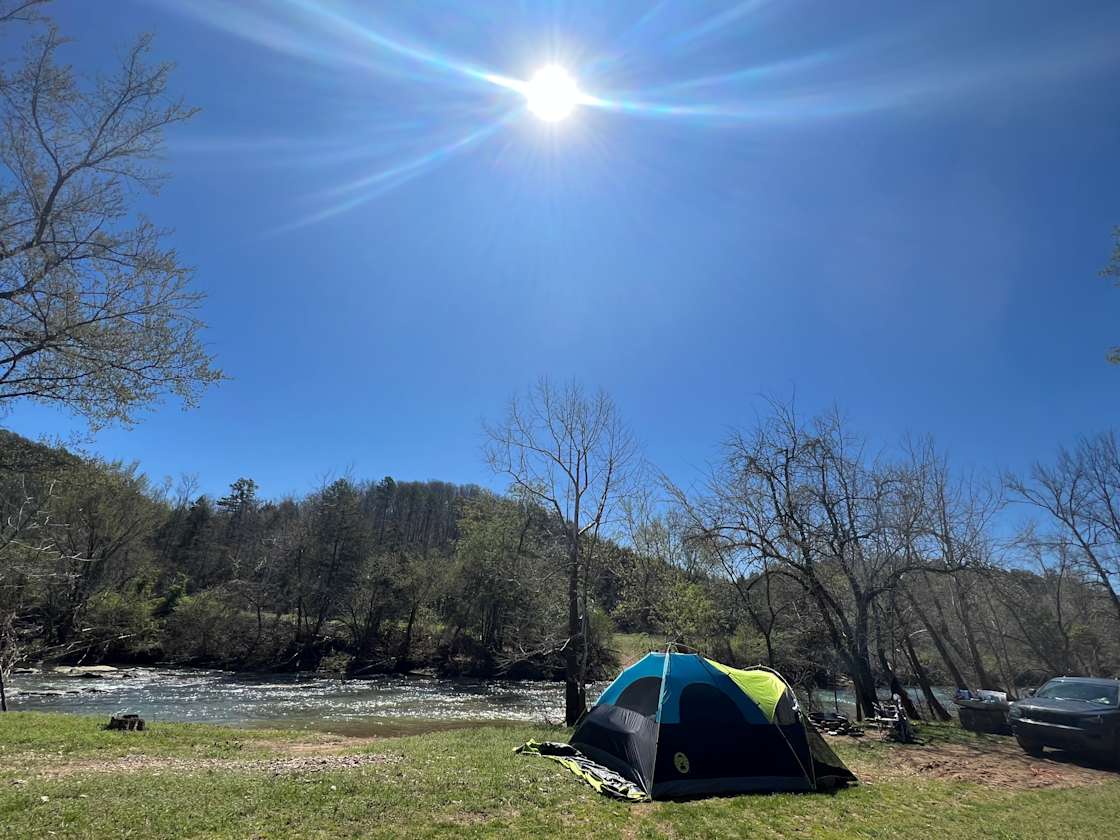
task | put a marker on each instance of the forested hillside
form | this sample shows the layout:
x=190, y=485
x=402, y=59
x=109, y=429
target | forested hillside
x=100, y=564
x=800, y=552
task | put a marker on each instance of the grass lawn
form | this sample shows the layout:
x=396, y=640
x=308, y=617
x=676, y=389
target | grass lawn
x=62, y=776
x=630, y=647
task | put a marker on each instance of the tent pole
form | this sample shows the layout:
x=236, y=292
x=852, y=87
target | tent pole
x=657, y=735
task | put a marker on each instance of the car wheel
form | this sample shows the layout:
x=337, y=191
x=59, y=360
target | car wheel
x=1030, y=746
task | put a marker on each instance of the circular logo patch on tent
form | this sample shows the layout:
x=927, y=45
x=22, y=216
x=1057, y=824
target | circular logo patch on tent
x=680, y=761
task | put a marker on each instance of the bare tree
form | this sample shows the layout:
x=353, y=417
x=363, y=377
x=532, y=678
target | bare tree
x=801, y=502
x=944, y=535
x=96, y=312
x=805, y=503
x=21, y=10
x=1081, y=495
x=958, y=513
x=571, y=452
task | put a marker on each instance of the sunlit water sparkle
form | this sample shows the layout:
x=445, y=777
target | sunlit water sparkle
x=381, y=705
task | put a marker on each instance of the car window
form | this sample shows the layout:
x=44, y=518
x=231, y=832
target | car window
x=1101, y=695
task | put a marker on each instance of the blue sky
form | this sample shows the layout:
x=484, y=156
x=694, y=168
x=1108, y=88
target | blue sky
x=899, y=208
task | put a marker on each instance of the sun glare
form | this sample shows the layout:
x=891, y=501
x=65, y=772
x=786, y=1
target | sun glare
x=552, y=93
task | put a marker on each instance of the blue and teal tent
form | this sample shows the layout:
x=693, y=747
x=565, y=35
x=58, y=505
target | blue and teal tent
x=680, y=725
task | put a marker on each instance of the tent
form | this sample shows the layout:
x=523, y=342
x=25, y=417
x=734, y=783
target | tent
x=679, y=725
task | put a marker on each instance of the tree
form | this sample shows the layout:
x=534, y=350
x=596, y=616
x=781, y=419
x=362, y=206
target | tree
x=96, y=311
x=658, y=551
x=1081, y=494
x=803, y=502
x=27, y=533
x=571, y=452
x=110, y=515
x=30, y=532
x=947, y=536
x=240, y=508
x=337, y=540
x=504, y=604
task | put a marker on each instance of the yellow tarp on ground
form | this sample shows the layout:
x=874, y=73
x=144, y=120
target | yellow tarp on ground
x=602, y=779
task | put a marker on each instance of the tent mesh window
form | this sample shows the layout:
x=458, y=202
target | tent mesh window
x=641, y=696
x=705, y=705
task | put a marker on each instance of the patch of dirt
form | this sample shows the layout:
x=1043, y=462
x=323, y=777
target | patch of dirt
x=293, y=764
x=327, y=745
x=993, y=764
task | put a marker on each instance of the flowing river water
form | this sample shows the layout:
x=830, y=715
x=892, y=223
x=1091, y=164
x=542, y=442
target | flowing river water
x=382, y=705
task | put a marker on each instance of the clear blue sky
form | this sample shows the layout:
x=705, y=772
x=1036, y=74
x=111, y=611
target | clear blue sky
x=900, y=208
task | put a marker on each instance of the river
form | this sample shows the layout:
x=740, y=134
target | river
x=379, y=705
x=382, y=705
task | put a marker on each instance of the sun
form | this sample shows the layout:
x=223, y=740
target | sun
x=552, y=93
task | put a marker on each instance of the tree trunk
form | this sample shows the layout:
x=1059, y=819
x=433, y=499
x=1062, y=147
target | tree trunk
x=963, y=611
x=402, y=663
x=935, y=708
x=852, y=652
x=893, y=681
x=3, y=645
x=863, y=683
x=943, y=623
x=897, y=687
x=938, y=642
x=999, y=645
x=862, y=656
x=299, y=596
x=575, y=701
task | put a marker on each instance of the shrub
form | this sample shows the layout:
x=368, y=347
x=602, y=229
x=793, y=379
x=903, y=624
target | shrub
x=121, y=625
x=206, y=627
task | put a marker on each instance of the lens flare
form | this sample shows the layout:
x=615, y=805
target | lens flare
x=671, y=63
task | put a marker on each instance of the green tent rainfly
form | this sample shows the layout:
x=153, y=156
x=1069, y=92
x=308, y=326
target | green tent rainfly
x=679, y=725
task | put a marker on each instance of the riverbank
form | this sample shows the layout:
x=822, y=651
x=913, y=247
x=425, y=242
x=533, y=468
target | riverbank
x=63, y=776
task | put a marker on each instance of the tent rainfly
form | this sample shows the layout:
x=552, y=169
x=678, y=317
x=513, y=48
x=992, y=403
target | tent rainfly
x=677, y=725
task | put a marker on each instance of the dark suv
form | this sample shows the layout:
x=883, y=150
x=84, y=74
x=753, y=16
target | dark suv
x=1072, y=713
